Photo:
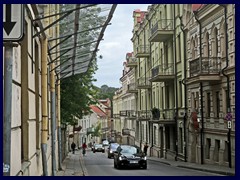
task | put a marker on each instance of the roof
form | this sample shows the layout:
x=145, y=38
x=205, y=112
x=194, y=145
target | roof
x=98, y=111
x=82, y=27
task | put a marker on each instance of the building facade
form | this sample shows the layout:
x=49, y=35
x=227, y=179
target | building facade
x=184, y=71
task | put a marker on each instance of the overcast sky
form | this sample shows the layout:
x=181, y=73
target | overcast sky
x=116, y=43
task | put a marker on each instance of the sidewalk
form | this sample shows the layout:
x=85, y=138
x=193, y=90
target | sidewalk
x=73, y=165
x=200, y=167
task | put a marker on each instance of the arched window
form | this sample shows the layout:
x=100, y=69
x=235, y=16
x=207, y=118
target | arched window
x=206, y=51
x=192, y=48
x=215, y=42
x=222, y=40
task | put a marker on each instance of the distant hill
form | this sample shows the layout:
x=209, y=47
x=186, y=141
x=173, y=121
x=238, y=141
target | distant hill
x=106, y=92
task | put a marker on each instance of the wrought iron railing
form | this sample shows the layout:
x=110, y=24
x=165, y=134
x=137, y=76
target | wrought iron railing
x=163, y=69
x=204, y=66
x=164, y=24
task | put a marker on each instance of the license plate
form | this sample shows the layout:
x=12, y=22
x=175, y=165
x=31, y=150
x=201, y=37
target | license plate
x=133, y=162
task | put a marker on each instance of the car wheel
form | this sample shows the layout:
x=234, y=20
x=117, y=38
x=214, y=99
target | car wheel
x=145, y=167
x=118, y=166
x=93, y=151
x=114, y=164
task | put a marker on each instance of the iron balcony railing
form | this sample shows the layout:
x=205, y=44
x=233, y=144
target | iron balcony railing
x=162, y=25
x=131, y=113
x=205, y=66
x=132, y=60
x=144, y=81
x=123, y=113
x=163, y=69
x=143, y=49
x=132, y=87
x=144, y=114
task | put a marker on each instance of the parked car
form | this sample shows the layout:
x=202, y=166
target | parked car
x=111, y=149
x=98, y=148
x=105, y=143
x=129, y=156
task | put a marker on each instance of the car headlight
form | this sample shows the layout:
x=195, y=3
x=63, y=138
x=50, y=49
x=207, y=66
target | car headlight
x=145, y=158
x=110, y=151
x=120, y=158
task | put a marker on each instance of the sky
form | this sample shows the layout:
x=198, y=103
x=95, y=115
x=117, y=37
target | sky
x=117, y=42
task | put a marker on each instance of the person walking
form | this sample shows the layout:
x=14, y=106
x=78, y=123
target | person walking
x=84, y=146
x=145, y=149
x=73, y=146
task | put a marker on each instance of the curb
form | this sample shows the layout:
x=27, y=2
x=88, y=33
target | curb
x=208, y=170
x=195, y=168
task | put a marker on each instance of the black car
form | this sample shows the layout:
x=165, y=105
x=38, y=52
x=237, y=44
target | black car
x=98, y=148
x=129, y=156
x=111, y=149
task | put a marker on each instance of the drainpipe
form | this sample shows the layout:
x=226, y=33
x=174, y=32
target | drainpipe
x=8, y=58
x=185, y=90
x=59, y=126
x=53, y=118
x=176, y=84
x=201, y=87
x=44, y=106
x=228, y=82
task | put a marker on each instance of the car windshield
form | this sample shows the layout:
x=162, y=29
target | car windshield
x=98, y=145
x=114, y=146
x=129, y=150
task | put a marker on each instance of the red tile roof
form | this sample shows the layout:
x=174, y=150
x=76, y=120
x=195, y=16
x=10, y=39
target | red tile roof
x=98, y=111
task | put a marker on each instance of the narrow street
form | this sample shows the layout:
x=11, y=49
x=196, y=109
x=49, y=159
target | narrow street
x=97, y=164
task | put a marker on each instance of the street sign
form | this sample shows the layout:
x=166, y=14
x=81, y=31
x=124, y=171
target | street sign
x=229, y=124
x=228, y=117
x=13, y=22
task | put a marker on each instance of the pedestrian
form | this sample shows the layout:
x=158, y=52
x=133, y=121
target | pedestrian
x=84, y=146
x=145, y=149
x=73, y=146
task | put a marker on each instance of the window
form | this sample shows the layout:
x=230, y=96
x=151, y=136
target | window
x=217, y=104
x=208, y=146
x=154, y=135
x=208, y=104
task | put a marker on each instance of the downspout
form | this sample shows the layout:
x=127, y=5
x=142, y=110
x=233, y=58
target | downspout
x=7, y=121
x=176, y=84
x=201, y=87
x=228, y=82
x=59, y=125
x=44, y=106
x=185, y=90
x=151, y=105
x=53, y=118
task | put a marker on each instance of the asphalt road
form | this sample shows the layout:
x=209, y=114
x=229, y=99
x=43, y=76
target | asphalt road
x=97, y=164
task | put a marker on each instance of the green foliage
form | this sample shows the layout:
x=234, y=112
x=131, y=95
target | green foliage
x=77, y=94
x=106, y=92
x=97, y=130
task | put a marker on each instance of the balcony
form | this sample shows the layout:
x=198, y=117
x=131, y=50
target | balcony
x=166, y=117
x=131, y=88
x=123, y=113
x=116, y=116
x=131, y=62
x=163, y=73
x=131, y=114
x=162, y=31
x=144, y=83
x=144, y=115
x=206, y=69
x=143, y=51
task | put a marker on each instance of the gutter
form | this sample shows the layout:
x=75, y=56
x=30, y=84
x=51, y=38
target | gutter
x=201, y=89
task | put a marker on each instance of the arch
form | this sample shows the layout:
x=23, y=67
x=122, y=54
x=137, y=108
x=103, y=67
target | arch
x=222, y=39
x=206, y=52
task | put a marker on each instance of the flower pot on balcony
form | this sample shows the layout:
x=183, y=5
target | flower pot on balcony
x=155, y=113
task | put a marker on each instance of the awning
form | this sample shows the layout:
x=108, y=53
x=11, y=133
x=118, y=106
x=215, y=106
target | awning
x=82, y=27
